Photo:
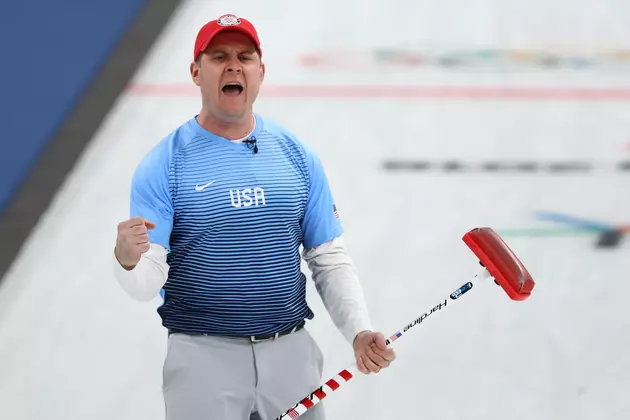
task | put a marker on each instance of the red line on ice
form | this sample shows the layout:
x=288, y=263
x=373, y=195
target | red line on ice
x=403, y=92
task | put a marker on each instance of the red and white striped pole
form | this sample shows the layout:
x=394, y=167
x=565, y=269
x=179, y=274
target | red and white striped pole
x=345, y=375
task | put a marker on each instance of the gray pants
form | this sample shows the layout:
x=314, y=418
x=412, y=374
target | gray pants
x=220, y=378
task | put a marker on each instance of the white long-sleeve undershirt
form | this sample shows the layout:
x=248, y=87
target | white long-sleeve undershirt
x=333, y=273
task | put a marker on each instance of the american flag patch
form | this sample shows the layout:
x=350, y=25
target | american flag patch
x=335, y=211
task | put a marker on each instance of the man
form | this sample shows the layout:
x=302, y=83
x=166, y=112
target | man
x=219, y=210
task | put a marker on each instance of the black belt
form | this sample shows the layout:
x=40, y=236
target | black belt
x=253, y=338
x=265, y=337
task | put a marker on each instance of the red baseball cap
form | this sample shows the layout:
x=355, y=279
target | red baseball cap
x=224, y=23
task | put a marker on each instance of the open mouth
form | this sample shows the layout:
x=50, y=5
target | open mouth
x=232, y=89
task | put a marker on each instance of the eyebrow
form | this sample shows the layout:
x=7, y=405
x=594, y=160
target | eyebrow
x=246, y=50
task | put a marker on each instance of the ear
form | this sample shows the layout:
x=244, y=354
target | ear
x=194, y=72
x=262, y=71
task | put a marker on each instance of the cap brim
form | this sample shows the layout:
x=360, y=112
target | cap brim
x=240, y=29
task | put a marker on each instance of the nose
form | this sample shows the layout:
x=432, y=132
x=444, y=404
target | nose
x=234, y=65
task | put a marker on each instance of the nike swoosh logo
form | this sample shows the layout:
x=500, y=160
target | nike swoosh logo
x=203, y=187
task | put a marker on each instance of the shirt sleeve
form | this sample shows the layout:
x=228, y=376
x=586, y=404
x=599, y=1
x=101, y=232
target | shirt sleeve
x=321, y=223
x=337, y=283
x=150, y=195
x=147, y=278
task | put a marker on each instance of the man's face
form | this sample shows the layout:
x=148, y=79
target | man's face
x=229, y=74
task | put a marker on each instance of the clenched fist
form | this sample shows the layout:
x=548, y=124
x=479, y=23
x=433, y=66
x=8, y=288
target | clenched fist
x=132, y=241
x=371, y=352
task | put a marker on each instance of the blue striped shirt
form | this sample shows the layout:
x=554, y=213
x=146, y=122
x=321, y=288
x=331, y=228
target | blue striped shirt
x=233, y=222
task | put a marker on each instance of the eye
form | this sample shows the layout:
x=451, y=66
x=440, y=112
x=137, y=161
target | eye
x=245, y=57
